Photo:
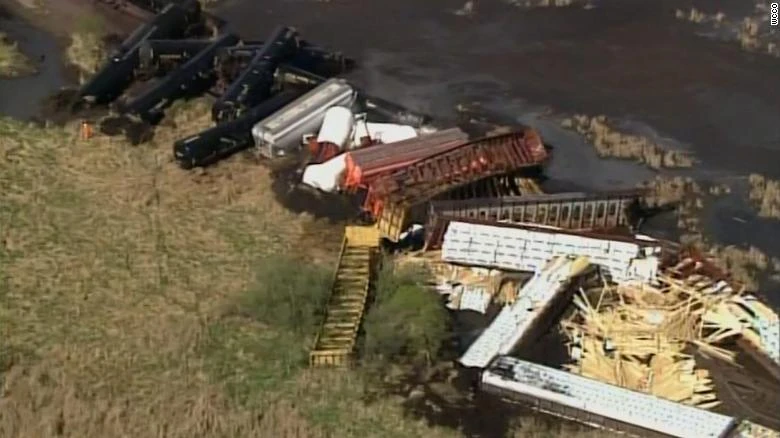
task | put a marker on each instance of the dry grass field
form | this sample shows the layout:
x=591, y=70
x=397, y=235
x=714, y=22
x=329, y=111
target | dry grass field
x=140, y=300
x=120, y=274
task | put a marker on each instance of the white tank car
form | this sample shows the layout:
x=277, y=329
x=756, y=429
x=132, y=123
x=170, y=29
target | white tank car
x=325, y=176
x=336, y=126
x=360, y=131
x=281, y=133
x=390, y=132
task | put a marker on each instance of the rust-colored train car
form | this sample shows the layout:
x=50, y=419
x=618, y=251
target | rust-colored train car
x=392, y=196
x=365, y=165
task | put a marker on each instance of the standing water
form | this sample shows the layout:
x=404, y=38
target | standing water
x=23, y=97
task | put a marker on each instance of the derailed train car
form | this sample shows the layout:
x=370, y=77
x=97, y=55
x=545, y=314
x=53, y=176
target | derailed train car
x=282, y=133
x=109, y=82
x=195, y=75
x=599, y=404
x=221, y=141
x=254, y=84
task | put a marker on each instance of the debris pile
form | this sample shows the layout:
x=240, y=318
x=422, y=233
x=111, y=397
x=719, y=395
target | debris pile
x=635, y=336
x=643, y=330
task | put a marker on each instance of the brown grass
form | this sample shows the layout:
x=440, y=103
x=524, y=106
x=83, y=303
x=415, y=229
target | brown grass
x=609, y=142
x=751, y=32
x=745, y=264
x=116, y=270
x=13, y=63
x=115, y=262
x=86, y=52
x=765, y=195
x=685, y=193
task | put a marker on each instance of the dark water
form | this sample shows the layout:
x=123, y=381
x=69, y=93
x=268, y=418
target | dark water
x=23, y=97
x=628, y=59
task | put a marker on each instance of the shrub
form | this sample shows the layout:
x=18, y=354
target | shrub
x=288, y=295
x=407, y=321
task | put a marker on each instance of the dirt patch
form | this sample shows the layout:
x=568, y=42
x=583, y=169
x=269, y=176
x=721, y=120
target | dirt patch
x=610, y=142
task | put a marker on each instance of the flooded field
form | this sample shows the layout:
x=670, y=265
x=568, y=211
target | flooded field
x=23, y=97
x=630, y=60
x=633, y=61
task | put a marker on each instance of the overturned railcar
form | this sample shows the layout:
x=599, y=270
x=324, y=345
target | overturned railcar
x=225, y=139
x=393, y=112
x=599, y=404
x=282, y=133
x=576, y=211
x=159, y=57
x=255, y=83
x=195, y=75
x=392, y=197
x=111, y=80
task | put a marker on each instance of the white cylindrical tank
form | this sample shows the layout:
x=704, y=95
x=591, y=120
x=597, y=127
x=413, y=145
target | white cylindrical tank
x=336, y=126
x=325, y=176
x=360, y=131
x=390, y=132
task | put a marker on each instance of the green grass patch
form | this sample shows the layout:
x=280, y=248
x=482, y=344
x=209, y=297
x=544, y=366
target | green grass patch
x=407, y=321
x=261, y=341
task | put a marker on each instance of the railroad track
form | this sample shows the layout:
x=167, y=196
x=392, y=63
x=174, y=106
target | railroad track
x=755, y=396
x=336, y=340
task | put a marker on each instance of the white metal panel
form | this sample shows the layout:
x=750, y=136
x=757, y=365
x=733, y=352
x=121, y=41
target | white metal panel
x=390, y=132
x=528, y=250
x=512, y=323
x=631, y=407
x=474, y=298
x=303, y=115
x=336, y=126
x=325, y=176
x=360, y=131
x=766, y=323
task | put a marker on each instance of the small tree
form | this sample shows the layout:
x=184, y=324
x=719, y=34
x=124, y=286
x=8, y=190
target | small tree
x=407, y=321
x=288, y=295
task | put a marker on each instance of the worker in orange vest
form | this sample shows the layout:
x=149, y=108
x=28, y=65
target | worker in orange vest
x=86, y=130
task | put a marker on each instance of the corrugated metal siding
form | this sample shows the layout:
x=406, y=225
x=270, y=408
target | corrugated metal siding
x=630, y=407
x=529, y=250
